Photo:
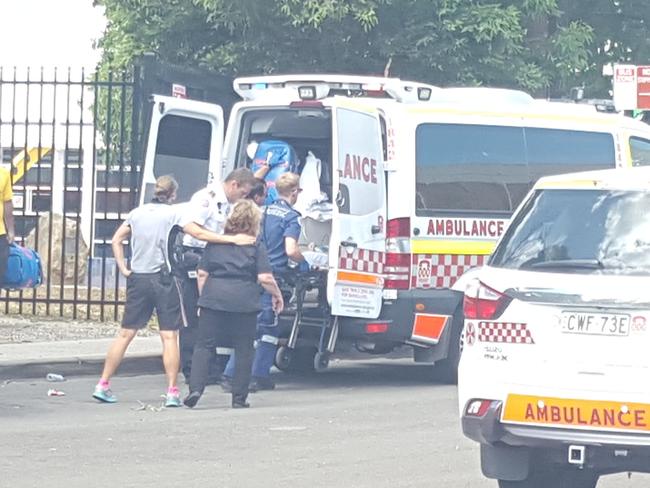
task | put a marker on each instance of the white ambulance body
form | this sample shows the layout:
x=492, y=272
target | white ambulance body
x=423, y=181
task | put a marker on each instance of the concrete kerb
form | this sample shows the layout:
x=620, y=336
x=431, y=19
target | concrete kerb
x=76, y=358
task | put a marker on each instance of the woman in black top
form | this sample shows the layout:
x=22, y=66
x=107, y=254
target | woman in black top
x=229, y=279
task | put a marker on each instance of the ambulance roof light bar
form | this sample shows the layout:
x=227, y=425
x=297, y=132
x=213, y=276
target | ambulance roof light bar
x=316, y=87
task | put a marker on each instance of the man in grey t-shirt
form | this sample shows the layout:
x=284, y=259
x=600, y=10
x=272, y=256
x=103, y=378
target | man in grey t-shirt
x=149, y=287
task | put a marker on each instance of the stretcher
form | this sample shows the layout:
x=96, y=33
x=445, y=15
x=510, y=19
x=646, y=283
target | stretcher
x=308, y=312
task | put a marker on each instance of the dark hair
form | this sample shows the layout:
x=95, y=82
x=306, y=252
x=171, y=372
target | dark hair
x=243, y=176
x=258, y=190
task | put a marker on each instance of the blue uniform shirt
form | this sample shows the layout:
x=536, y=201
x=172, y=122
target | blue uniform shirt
x=280, y=221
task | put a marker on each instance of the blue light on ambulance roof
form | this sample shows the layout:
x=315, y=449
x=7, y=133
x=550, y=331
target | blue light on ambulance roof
x=260, y=86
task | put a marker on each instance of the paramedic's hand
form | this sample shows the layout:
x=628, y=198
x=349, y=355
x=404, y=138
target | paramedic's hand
x=243, y=240
x=278, y=304
x=303, y=266
x=11, y=237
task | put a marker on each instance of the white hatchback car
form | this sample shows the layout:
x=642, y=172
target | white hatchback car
x=554, y=377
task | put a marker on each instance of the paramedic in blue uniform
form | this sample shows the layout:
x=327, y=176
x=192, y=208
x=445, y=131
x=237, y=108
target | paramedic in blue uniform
x=149, y=287
x=204, y=222
x=280, y=233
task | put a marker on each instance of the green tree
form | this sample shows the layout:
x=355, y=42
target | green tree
x=543, y=46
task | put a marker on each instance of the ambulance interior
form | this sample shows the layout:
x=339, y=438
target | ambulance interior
x=309, y=131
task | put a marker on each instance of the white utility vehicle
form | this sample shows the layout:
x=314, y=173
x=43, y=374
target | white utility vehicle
x=553, y=377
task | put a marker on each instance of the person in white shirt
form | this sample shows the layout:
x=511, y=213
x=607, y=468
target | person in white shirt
x=204, y=222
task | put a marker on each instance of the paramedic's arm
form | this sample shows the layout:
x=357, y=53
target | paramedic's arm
x=121, y=234
x=293, y=250
x=262, y=172
x=271, y=286
x=9, y=220
x=201, y=233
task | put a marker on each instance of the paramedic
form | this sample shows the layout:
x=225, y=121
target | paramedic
x=229, y=281
x=7, y=232
x=149, y=286
x=204, y=221
x=280, y=233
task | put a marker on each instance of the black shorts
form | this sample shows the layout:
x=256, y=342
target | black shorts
x=146, y=292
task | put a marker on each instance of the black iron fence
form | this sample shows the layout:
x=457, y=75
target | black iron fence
x=73, y=143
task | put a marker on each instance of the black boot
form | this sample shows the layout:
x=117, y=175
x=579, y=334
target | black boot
x=192, y=399
x=239, y=401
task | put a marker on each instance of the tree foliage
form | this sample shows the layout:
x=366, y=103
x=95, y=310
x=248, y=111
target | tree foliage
x=543, y=46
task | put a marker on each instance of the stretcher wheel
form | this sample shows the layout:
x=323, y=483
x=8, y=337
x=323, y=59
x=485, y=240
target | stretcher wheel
x=283, y=358
x=321, y=361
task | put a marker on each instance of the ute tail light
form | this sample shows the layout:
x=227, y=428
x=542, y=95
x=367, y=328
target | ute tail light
x=483, y=302
x=397, y=264
x=477, y=407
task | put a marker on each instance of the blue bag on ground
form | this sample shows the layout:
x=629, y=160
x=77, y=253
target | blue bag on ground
x=23, y=268
x=281, y=158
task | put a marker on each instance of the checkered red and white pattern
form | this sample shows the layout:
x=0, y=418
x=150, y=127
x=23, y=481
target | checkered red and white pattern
x=504, y=332
x=445, y=268
x=362, y=260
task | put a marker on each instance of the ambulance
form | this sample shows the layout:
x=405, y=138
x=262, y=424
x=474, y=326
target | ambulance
x=553, y=378
x=420, y=183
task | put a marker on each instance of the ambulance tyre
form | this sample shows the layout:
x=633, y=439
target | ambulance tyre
x=446, y=370
x=321, y=361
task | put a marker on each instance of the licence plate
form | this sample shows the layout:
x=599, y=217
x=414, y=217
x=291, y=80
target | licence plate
x=607, y=324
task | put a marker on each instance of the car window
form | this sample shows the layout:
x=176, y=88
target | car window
x=469, y=167
x=597, y=230
x=183, y=150
x=640, y=151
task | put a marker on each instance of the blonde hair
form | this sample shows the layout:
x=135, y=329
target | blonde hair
x=165, y=189
x=286, y=183
x=244, y=218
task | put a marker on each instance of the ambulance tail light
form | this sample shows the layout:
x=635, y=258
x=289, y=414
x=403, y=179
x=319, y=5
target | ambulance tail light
x=397, y=265
x=482, y=302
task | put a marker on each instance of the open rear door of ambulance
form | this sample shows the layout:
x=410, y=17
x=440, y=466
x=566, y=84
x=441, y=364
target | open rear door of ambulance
x=357, y=245
x=185, y=141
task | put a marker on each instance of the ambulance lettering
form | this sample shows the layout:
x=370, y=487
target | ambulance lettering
x=587, y=416
x=360, y=168
x=486, y=228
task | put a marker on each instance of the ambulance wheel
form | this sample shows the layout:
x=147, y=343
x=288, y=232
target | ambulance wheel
x=446, y=370
x=283, y=358
x=321, y=361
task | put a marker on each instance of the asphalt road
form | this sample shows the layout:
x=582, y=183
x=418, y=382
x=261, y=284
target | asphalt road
x=360, y=425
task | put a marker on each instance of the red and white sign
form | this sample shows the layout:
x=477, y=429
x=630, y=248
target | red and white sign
x=631, y=87
x=179, y=91
x=643, y=87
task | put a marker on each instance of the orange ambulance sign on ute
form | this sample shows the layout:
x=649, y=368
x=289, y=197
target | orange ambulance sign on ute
x=582, y=414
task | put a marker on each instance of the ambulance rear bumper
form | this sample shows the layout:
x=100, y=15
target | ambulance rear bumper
x=395, y=324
